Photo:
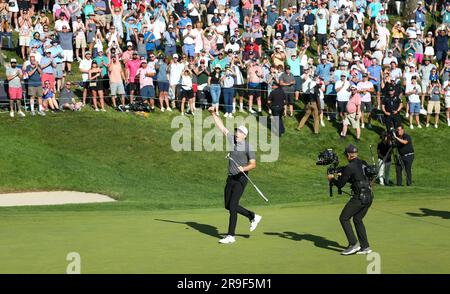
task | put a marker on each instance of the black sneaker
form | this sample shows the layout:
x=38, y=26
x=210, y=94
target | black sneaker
x=351, y=249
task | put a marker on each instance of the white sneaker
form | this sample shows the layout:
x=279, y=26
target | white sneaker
x=162, y=109
x=103, y=110
x=363, y=126
x=97, y=110
x=11, y=114
x=230, y=115
x=448, y=122
x=407, y=115
x=419, y=126
x=33, y=113
x=255, y=222
x=243, y=111
x=182, y=114
x=227, y=240
x=169, y=109
x=435, y=126
x=226, y=114
x=411, y=127
x=427, y=125
x=21, y=114
x=41, y=113
x=322, y=123
x=251, y=111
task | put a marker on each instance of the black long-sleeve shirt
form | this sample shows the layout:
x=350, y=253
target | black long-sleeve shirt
x=404, y=149
x=352, y=173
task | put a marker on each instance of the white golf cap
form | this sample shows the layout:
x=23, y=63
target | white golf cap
x=13, y=60
x=129, y=44
x=353, y=87
x=175, y=55
x=243, y=130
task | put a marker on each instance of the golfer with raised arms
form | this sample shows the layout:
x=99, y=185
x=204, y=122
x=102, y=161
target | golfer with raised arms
x=242, y=159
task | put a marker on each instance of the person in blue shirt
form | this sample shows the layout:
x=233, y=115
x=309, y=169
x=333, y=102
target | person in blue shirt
x=373, y=9
x=374, y=72
x=149, y=40
x=419, y=16
x=184, y=20
x=36, y=42
x=323, y=69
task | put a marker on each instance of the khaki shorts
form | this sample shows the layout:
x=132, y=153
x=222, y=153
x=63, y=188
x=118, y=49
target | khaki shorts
x=108, y=19
x=24, y=41
x=101, y=20
x=270, y=31
x=436, y=105
x=80, y=43
x=353, y=120
x=35, y=91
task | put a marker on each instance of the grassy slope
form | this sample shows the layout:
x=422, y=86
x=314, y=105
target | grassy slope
x=130, y=159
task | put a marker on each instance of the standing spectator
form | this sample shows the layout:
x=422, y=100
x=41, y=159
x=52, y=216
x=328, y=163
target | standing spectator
x=13, y=76
x=175, y=72
x=100, y=14
x=276, y=101
x=34, y=72
x=131, y=67
x=58, y=57
x=214, y=87
x=441, y=43
x=366, y=88
x=187, y=92
x=147, y=90
x=353, y=113
x=25, y=29
x=163, y=82
x=79, y=30
x=66, y=39
x=254, y=78
x=287, y=83
x=48, y=66
x=91, y=26
x=374, y=74
x=446, y=92
x=343, y=95
x=85, y=66
x=412, y=91
x=95, y=86
x=116, y=78
x=434, y=102
x=312, y=105
x=228, y=80
x=391, y=107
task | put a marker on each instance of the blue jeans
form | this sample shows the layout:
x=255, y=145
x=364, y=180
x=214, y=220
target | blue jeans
x=228, y=94
x=215, y=93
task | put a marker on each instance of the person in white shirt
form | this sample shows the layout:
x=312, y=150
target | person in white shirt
x=175, y=70
x=365, y=88
x=413, y=91
x=342, y=95
x=85, y=66
x=186, y=91
x=389, y=58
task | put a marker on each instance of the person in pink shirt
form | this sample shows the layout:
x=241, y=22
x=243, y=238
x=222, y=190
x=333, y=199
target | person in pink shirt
x=131, y=68
x=146, y=74
x=353, y=113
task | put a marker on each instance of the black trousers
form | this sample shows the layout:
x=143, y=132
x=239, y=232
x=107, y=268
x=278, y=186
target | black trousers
x=392, y=121
x=277, y=111
x=407, y=163
x=356, y=210
x=233, y=191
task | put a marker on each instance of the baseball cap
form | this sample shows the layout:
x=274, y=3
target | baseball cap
x=243, y=130
x=170, y=26
x=175, y=55
x=129, y=44
x=353, y=87
x=13, y=60
x=390, y=88
x=288, y=67
x=218, y=66
x=364, y=74
x=350, y=149
x=87, y=53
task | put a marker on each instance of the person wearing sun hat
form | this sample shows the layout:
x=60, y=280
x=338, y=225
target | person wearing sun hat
x=14, y=77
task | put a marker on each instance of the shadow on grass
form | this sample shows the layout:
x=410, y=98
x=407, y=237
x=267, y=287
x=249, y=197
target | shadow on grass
x=318, y=241
x=202, y=228
x=430, y=212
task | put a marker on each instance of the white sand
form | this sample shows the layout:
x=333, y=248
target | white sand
x=51, y=198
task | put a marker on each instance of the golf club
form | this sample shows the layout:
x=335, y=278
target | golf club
x=256, y=188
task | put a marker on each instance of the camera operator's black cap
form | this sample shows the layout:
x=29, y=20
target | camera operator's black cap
x=350, y=149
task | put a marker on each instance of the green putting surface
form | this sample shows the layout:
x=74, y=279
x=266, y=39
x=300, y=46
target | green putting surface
x=411, y=236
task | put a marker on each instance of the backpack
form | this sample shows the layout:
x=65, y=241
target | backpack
x=363, y=188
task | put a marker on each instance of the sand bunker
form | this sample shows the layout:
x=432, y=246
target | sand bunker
x=51, y=198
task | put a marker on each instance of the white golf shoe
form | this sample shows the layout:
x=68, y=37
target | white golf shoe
x=227, y=240
x=255, y=222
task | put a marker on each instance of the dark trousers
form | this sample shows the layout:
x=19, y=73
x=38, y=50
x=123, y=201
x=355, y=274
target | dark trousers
x=233, y=191
x=277, y=114
x=392, y=121
x=407, y=163
x=354, y=208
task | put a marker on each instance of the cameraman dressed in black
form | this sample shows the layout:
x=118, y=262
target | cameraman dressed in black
x=358, y=205
x=406, y=152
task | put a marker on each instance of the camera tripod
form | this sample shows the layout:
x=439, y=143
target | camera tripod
x=393, y=151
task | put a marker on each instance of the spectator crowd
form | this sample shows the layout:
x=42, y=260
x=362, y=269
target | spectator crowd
x=343, y=60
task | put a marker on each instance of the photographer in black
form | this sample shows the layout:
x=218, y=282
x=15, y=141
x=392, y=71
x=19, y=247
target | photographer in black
x=391, y=107
x=359, y=203
x=406, y=155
